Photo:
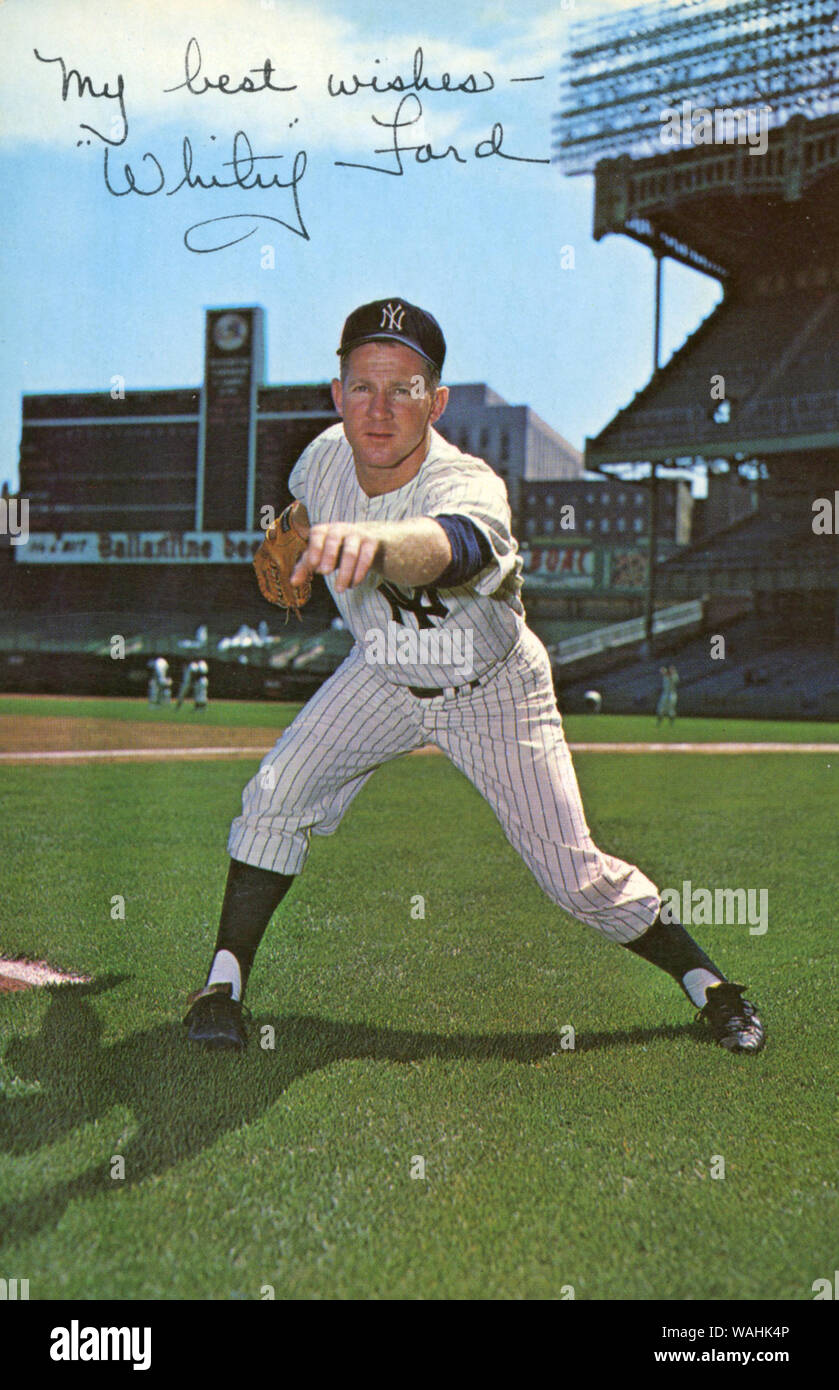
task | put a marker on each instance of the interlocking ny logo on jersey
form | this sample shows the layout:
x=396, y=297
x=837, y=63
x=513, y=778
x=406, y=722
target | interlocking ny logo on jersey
x=413, y=603
x=392, y=317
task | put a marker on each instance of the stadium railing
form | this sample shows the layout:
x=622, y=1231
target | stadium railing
x=603, y=639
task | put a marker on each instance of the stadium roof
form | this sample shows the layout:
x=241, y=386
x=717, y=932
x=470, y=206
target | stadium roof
x=728, y=209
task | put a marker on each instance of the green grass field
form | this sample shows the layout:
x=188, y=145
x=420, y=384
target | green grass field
x=271, y=715
x=399, y=1037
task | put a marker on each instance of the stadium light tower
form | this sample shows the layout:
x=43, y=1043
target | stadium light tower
x=622, y=71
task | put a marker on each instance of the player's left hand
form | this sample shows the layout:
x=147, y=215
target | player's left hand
x=347, y=547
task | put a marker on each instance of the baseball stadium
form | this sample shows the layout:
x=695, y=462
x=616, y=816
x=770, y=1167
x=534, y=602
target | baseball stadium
x=483, y=1101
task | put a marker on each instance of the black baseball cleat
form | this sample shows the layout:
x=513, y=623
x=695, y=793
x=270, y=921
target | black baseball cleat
x=215, y=1019
x=734, y=1021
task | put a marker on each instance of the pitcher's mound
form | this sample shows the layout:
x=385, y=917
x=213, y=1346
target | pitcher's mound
x=30, y=974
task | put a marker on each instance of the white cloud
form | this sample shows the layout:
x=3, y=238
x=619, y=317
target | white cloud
x=146, y=44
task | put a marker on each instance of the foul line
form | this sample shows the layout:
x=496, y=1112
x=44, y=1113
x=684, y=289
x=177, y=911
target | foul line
x=90, y=754
x=161, y=754
x=704, y=747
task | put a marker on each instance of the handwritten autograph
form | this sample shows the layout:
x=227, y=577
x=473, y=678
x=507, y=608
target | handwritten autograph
x=418, y=82
x=245, y=175
x=192, y=69
x=424, y=153
x=84, y=86
x=147, y=177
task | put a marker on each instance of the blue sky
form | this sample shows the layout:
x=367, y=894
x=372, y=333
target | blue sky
x=96, y=284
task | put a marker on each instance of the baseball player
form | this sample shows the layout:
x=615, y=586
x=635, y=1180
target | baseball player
x=160, y=682
x=195, y=678
x=414, y=540
x=666, y=707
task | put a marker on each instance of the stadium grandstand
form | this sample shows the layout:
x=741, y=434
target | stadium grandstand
x=749, y=193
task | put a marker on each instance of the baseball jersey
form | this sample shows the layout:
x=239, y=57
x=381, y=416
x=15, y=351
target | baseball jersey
x=426, y=636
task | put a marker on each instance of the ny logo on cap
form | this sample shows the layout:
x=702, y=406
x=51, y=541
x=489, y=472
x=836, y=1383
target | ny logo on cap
x=392, y=318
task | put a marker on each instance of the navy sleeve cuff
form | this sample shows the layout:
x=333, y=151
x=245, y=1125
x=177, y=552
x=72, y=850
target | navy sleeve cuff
x=471, y=551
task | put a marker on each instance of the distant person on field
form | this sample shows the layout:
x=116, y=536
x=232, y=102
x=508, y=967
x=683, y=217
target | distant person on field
x=594, y=701
x=196, y=679
x=160, y=682
x=201, y=686
x=666, y=708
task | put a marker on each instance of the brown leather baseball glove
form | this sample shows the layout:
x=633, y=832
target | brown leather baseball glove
x=276, y=558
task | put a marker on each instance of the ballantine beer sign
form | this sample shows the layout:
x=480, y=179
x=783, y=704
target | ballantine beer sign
x=140, y=548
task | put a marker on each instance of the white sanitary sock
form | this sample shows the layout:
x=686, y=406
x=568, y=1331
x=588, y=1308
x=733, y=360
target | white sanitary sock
x=696, y=982
x=225, y=970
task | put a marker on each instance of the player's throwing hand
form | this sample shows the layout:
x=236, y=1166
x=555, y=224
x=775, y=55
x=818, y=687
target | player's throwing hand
x=347, y=547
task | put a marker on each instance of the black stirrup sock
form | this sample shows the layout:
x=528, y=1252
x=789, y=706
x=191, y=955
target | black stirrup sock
x=251, y=898
x=670, y=947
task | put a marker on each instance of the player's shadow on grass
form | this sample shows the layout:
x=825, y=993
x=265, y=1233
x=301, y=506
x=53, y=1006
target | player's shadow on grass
x=183, y=1099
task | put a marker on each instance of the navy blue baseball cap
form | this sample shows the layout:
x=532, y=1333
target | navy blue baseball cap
x=395, y=320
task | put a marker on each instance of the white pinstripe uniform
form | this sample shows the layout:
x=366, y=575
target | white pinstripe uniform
x=505, y=733
x=159, y=681
x=196, y=679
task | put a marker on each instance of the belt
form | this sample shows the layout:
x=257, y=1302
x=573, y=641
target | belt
x=431, y=692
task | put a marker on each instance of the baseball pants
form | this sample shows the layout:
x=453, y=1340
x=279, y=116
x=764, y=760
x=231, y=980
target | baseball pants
x=506, y=736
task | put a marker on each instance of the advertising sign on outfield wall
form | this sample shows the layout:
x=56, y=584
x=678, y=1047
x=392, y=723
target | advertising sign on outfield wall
x=140, y=548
